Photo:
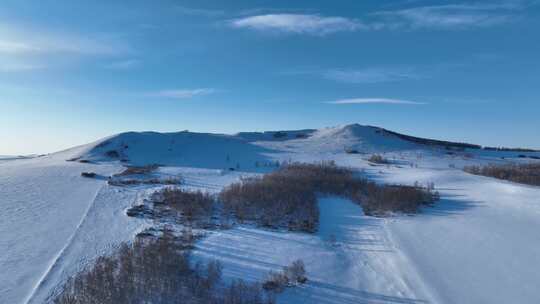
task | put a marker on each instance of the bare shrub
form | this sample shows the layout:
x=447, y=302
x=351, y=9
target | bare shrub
x=288, y=196
x=189, y=204
x=292, y=274
x=520, y=173
x=156, y=271
x=276, y=281
x=381, y=199
x=296, y=272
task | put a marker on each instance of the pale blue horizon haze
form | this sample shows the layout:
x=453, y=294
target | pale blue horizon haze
x=74, y=71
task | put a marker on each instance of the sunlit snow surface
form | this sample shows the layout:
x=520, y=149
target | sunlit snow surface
x=480, y=244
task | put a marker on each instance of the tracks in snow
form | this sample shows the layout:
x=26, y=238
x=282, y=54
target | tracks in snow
x=56, y=263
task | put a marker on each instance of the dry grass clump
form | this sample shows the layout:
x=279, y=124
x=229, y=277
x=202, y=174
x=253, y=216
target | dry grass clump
x=156, y=271
x=288, y=196
x=520, y=173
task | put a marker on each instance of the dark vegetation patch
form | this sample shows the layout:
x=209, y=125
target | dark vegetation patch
x=510, y=149
x=378, y=159
x=280, y=134
x=133, y=170
x=451, y=145
x=133, y=175
x=520, y=173
x=285, y=198
x=89, y=174
x=190, y=204
x=151, y=181
x=431, y=142
x=351, y=151
x=288, y=196
x=157, y=271
x=84, y=161
x=174, y=205
x=381, y=199
x=291, y=275
x=112, y=154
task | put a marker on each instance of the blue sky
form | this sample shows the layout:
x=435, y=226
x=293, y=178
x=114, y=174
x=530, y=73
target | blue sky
x=73, y=71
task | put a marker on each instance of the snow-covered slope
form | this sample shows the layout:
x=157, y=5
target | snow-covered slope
x=189, y=149
x=478, y=245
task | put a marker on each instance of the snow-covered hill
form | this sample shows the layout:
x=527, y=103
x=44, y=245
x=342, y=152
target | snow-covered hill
x=478, y=245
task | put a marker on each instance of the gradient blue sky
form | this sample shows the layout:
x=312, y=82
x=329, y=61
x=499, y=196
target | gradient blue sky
x=73, y=71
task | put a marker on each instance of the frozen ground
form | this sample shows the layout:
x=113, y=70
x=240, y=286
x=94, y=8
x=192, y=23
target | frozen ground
x=478, y=245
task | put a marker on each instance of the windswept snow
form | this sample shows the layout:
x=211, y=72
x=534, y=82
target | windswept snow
x=43, y=202
x=478, y=245
x=349, y=260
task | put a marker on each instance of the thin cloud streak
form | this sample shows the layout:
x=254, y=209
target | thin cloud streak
x=374, y=101
x=453, y=16
x=183, y=93
x=371, y=75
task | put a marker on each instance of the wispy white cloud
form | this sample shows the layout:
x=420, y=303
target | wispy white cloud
x=374, y=101
x=368, y=75
x=441, y=17
x=452, y=16
x=371, y=75
x=183, y=93
x=297, y=24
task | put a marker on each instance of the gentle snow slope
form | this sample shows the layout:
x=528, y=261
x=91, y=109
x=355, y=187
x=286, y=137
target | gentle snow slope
x=43, y=201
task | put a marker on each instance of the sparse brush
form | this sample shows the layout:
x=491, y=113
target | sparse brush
x=520, y=173
x=189, y=204
x=288, y=196
x=156, y=271
x=295, y=273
